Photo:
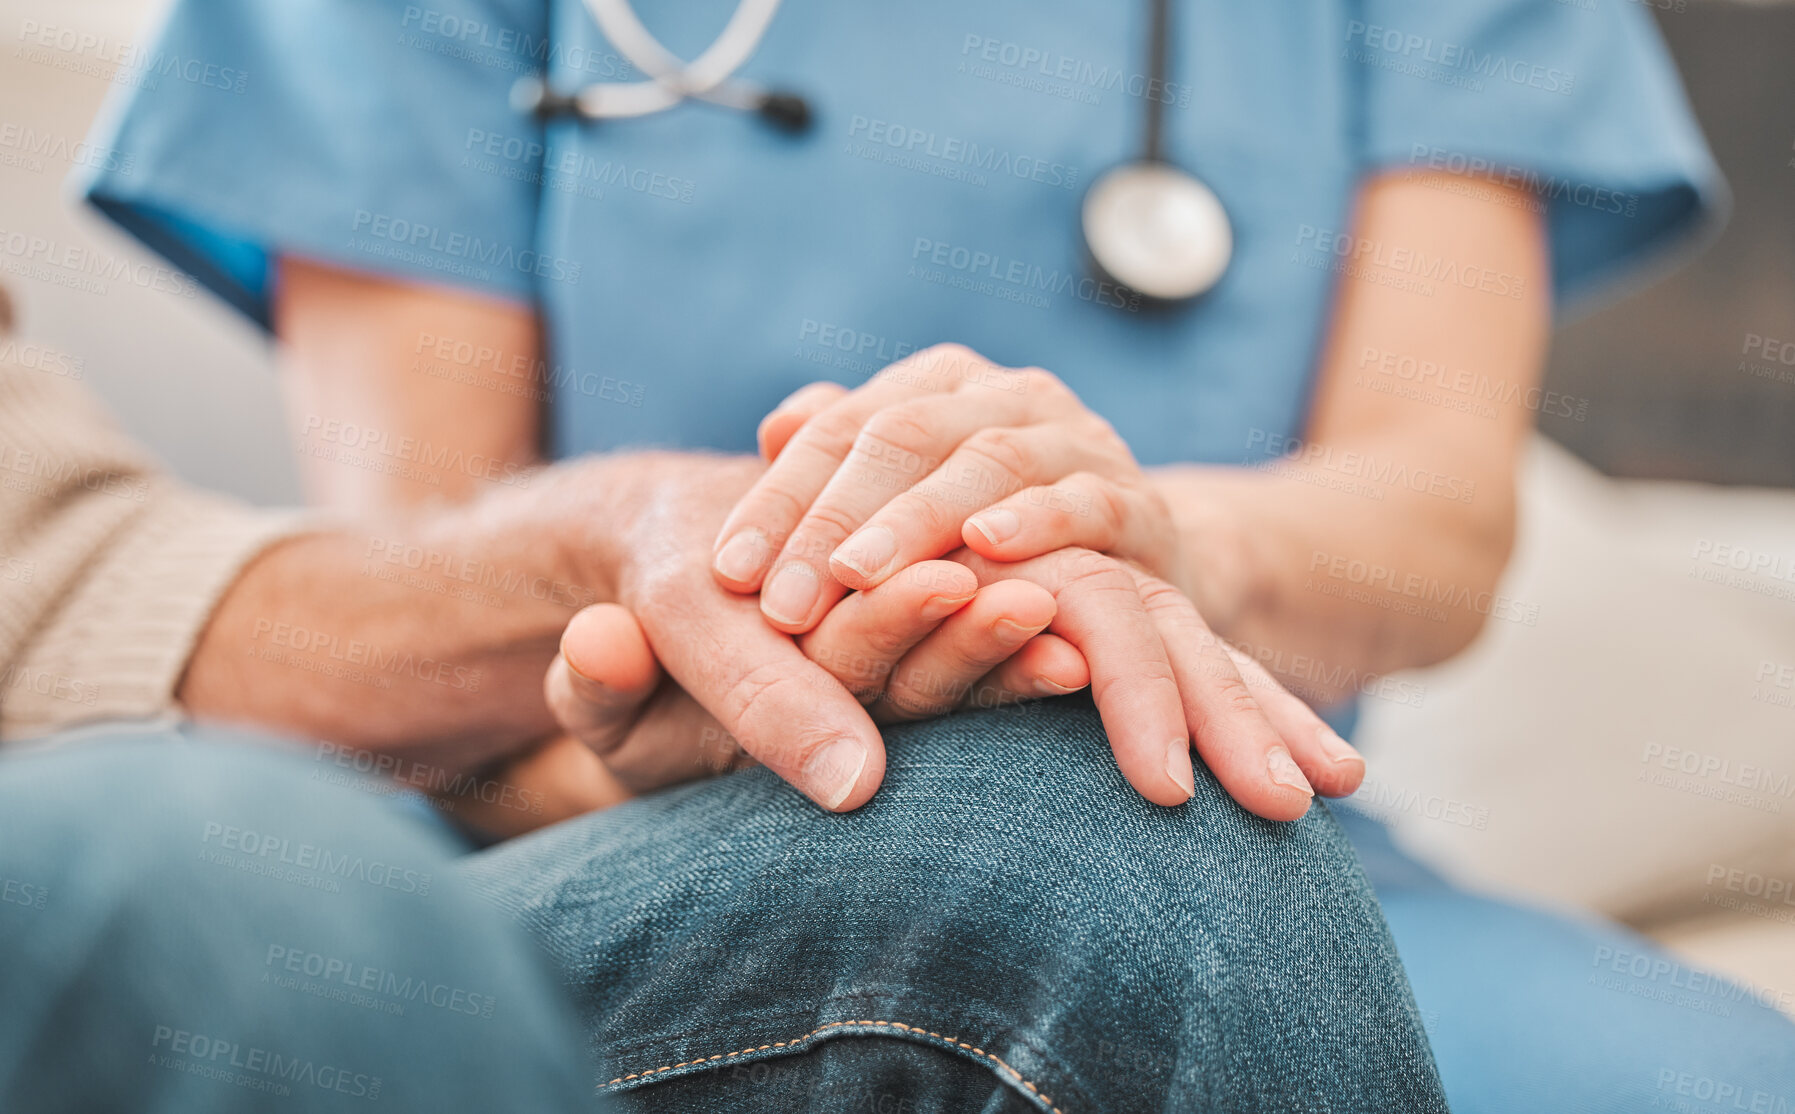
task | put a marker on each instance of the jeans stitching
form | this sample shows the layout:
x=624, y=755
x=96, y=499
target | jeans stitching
x=877, y=998
x=1018, y=1076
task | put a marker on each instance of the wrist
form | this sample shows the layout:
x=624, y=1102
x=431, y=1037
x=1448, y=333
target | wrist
x=1217, y=566
x=429, y=637
x=511, y=556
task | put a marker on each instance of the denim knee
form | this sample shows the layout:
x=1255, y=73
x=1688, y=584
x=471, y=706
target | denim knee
x=1006, y=898
x=213, y=929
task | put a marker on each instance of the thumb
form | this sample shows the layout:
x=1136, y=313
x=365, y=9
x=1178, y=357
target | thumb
x=604, y=675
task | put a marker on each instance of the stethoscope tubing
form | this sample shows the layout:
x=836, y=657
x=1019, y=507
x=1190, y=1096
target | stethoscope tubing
x=710, y=76
x=1148, y=224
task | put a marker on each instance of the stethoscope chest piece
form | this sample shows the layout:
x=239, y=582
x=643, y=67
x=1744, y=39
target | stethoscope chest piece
x=1157, y=230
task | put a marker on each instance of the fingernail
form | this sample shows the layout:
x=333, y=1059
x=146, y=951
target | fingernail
x=742, y=556
x=941, y=607
x=790, y=594
x=833, y=771
x=1337, y=748
x=999, y=524
x=1285, y=772
x=1178, y=767
x=1045, y=687
x=867, y=552
x=1011, y=633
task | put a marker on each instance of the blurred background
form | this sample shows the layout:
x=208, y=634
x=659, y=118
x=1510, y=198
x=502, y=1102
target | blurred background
x=1627, y=746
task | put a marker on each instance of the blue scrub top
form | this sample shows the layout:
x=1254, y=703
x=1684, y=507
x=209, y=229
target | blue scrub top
x=695, y=266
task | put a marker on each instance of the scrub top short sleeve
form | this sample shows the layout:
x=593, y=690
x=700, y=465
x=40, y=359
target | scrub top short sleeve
x=1577, y=100
x=332, y=139
x=695, y=267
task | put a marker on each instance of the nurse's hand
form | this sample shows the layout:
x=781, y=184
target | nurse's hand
x=1163, y=681
x=940, y=450
x=1161, y=678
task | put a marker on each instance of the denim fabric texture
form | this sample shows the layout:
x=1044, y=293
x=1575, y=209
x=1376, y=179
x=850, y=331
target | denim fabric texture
x=188, y=928
x=1006, y=903
x=1007, y=927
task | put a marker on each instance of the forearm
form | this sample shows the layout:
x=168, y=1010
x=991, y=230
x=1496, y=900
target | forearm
x=428, y=636
x=1328, y=586
x=405, y=395
x=1376, y=542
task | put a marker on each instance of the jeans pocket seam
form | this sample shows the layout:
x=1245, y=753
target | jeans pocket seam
x=865, y=1024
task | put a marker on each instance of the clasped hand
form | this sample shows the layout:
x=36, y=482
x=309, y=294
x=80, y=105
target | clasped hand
x=950, y=534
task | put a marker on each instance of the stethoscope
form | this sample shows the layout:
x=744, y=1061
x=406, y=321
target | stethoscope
x=671, y=79
x=1149, y=225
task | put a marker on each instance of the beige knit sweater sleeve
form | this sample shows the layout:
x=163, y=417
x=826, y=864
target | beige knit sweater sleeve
x=108, y=569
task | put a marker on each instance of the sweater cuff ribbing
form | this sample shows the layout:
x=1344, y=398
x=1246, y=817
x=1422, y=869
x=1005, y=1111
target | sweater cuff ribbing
x=117, y=646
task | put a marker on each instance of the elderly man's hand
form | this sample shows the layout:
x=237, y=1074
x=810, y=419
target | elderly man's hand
x=921, y=644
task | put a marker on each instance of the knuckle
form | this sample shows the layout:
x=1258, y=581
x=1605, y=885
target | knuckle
x=658, y=590
x=1231, y=694
x=1086, y=568
x=779, y=504
x=1158, y=595
x=1157, y=506
x=884, y=642
x=768, y=694
x=825, y=521
x=823, y=392
x=1103, y=438
x=951, y=351
x=1044, y=384
x=904, y=705
x=809, y=399
x=943, y=576
x=831, y=433
x=1174, y=611
x=864, y=675
x=1102, y=582
x=904, y=426
x=950, y=667
x=1007, y=449
x=1144, y=674
x=924, y=691
x=1051, y=503
x=931, y=510
x=946, y=365
x=1107, y=506
x=1100, y=500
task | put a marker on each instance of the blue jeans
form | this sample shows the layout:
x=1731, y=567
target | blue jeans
x=196, y=927
x=1005, y=912
x=1006, y=927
